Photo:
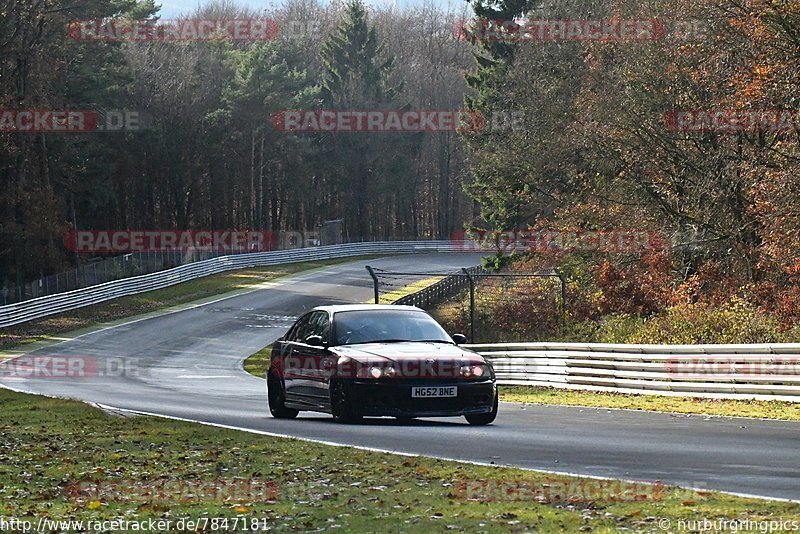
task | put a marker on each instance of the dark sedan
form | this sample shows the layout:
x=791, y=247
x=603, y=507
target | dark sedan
x=368, y=360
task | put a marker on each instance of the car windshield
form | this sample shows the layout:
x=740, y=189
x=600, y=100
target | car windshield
x=374, y=326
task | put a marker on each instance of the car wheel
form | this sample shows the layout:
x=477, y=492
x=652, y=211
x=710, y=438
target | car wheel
x=484, y=418
x=277, y=406
x=342, y=407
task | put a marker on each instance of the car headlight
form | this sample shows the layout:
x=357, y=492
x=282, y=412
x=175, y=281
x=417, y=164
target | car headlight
x=473, y=371
x=376, y=372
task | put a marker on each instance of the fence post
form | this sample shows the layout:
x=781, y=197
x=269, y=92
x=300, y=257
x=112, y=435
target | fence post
x=371, y=272
x=563, y=294
x=471, y=303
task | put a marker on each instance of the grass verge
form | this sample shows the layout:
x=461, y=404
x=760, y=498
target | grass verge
x=656, y=403
x=66, y=460
x=258, y=363
x=49, y=327
x=393, y=296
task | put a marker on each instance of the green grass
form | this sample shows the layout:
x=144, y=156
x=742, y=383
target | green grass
x=657, y=403
x=51, y=446
x=414, y=287
x=258, y=363
x=48, y=328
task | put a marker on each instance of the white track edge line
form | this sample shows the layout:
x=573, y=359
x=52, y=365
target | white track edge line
x=389, y=451
x=418, y=455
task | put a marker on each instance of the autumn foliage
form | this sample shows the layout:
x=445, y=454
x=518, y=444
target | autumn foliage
x=600, y=155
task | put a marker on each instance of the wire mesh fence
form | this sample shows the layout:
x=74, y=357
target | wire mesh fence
x=423, y=290
x=510, y=308
x=488, y=306
x=100, y=270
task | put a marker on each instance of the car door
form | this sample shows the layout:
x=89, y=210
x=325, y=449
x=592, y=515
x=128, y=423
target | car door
x=310, y=359
x=292, y=355
x=321, y=362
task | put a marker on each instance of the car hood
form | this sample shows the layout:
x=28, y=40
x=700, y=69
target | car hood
x=407, y=351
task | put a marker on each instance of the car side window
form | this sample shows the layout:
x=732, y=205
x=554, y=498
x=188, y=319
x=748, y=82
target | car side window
x=319, y=325
x=298, y=331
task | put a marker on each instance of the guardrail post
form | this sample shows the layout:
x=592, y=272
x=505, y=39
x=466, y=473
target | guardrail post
x=563, y=294
x=471, y=304
x=375, y=282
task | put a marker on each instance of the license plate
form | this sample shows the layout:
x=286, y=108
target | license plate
x=433, y=392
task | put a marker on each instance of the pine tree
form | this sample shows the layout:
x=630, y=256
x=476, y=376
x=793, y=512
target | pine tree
x=356, y=72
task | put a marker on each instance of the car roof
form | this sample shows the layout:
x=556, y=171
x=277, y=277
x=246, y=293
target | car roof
x=366, y=307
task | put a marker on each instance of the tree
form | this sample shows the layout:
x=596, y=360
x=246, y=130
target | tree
x=355, y=77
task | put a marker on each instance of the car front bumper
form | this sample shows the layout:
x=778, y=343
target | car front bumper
x=388, y=398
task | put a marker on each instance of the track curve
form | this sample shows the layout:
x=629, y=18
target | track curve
x=188, y=364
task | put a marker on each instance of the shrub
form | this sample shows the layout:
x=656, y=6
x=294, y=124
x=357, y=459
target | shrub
x=701, y=323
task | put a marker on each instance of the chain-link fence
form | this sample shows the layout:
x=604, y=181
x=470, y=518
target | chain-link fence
x=489, y=307
x=99, y=270
x=511, y=307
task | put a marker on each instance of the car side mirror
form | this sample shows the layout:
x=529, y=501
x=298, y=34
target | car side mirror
x=315, y=341
x=460, y=339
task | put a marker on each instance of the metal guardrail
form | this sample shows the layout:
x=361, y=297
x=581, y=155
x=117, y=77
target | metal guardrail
x=37, y=308
x=764, y=372
x=756, y=371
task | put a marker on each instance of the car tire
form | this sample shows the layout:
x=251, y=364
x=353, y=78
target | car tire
x=484, y=418
x=277, y=399
x=342, y=407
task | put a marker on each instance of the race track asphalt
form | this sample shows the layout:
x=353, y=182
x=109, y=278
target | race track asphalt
x=188, y=364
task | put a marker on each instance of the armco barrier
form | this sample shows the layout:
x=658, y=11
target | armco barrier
x=28, y=310
x=764, y=372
